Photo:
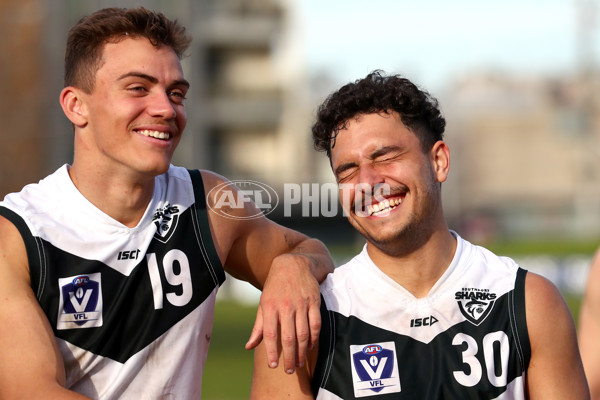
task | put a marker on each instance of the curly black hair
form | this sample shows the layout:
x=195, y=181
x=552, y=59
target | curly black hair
x=377, y=93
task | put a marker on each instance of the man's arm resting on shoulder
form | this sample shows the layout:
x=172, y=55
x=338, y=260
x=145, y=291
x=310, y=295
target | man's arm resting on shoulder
x=555, y=371
x=589, y=328
x=275, y=384
x=31, y=366
x=290, y=302
x=285, y=264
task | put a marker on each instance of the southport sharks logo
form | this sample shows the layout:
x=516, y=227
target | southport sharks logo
x=165, y=219
x=475, y=304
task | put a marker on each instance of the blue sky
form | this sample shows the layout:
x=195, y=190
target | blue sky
x=432, y=41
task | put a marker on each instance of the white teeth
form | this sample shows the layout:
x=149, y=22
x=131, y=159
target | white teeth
x=395, y=202
x=383, y=207
x=155, y=134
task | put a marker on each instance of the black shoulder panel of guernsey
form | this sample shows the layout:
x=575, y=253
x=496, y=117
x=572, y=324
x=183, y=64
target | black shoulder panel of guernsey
x=33, y=247
x=98, y=308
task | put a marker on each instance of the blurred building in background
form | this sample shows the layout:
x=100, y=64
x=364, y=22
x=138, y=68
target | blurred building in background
x=24, y=111
x=245, y=110
x=525, y=156
x=524, y=148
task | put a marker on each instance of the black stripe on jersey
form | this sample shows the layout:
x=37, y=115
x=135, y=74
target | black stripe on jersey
x=326, y=348
x=518, y=318
x=34, y=248
x=202, y=228
x=426, y=369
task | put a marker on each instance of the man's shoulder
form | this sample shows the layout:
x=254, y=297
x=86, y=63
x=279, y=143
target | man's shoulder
x=35, y=197
x=345, y=274
x=210, y=179
x=470, y=252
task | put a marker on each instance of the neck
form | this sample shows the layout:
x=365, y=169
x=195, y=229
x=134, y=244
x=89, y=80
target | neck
x=123, y=198
x=418, y=269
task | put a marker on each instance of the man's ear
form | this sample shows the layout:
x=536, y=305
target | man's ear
x=440, y=158
x=73, y=105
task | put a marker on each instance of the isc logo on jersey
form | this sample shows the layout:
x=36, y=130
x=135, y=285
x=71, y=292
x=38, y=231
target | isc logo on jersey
x=374, y=369
x=80, y=304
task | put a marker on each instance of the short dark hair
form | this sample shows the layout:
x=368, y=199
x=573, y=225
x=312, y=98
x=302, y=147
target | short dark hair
x=86, y=40
x=378, y=93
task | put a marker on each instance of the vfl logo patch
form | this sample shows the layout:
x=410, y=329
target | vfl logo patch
x=80, y=303
x=475, y=304
x=374, y=369
x=165, y=219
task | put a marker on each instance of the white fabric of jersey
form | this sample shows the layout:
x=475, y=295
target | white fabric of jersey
x=132, y=308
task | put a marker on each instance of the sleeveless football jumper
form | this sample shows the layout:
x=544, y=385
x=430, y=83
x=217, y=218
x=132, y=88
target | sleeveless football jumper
x=467, y=339
x=131, y=308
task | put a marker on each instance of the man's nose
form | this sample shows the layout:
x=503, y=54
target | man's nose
x=370, y=175
x=162, y=106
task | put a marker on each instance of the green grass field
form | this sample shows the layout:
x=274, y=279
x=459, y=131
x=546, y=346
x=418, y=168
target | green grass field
x=228, y=371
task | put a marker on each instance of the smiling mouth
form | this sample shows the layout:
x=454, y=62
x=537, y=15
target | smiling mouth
x=155, y=134
x=383, y=207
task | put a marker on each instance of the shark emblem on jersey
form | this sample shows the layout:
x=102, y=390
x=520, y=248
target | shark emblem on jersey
x=475, y=304
x=165, y=219
x=80, y=303
x=374, y=369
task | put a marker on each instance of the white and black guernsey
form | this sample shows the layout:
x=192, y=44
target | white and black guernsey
x=467, y=339
x=131, y=308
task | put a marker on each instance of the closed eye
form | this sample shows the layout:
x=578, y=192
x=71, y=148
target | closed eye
x=344, y=173
x=387, y=158
x=386, y=153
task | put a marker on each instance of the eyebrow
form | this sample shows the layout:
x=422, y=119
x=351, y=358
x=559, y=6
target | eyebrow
x=152, y=79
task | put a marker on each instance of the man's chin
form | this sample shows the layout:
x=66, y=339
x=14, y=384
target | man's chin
x=159, y=167
x=377, y=230
x=381, y=239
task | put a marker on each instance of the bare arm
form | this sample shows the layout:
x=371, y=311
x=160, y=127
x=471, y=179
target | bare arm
x=275, y=384
x=289, y=304
x=589, y=328
x=286, y=265
x=555, y=370
x=31, y=366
